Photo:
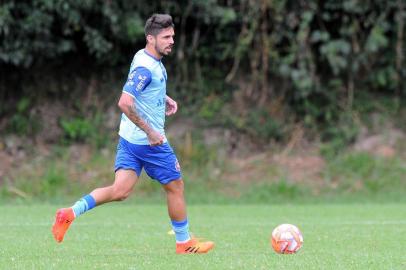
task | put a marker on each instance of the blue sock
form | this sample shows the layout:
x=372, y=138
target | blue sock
x=181, y=229
x=84, y=204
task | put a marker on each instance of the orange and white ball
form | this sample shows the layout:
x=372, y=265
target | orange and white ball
x=286, y=239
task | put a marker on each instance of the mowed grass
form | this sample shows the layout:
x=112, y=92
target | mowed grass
x=130, y=236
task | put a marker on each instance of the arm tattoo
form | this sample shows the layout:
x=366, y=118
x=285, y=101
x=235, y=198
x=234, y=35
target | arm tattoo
x=134, y=116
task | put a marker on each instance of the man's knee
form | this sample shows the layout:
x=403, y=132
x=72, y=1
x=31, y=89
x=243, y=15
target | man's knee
x=121, y=192
x=175, y=186
x=123, y=184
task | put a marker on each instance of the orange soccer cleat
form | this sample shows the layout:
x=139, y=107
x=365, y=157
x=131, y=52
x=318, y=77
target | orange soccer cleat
x=63, y=219
x=194, y=246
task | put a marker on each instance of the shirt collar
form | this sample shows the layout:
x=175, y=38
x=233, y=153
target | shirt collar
x=150, y=55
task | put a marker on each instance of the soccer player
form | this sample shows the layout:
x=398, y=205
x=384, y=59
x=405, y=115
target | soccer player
x=142, y=142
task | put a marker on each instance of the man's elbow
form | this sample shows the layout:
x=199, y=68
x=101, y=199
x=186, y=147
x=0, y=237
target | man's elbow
x=120, y=104
x=123, y=104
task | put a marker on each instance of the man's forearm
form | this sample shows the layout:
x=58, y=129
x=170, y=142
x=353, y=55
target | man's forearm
x=131, y=112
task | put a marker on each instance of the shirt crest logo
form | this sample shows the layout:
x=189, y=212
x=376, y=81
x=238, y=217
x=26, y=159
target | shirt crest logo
x=177, y=166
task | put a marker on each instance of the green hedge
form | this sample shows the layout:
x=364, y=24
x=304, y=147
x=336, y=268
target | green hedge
x=315, y=57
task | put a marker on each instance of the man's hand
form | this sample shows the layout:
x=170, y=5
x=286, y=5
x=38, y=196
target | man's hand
x=171, y=106
x=155, y=138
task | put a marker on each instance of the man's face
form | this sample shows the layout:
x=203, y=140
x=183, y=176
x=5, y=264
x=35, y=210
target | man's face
x=163, y=42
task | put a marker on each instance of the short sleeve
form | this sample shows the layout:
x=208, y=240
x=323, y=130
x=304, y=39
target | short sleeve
x=137, y=81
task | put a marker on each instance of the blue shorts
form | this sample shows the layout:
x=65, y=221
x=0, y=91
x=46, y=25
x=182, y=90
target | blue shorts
x=159, y=162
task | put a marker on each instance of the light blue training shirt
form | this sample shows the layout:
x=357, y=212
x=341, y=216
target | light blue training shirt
x=146, y=83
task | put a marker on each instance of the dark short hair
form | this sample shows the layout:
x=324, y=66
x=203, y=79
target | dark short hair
x=156, y=23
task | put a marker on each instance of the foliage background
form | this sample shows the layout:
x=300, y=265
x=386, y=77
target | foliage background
x=277, y=72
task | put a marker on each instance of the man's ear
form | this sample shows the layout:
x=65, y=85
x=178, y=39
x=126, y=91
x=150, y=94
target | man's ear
x=150, y=39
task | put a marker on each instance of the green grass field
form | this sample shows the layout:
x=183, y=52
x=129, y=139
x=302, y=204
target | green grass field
x=129, y=236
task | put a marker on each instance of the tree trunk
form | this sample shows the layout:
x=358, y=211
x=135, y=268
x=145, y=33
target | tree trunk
x=399, y=48
x=263, y=98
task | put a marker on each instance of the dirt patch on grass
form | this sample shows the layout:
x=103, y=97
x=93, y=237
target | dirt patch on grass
x=385, y=145
x=270, y=167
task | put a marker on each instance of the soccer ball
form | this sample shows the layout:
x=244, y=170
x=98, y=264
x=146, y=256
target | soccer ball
x=286, y=239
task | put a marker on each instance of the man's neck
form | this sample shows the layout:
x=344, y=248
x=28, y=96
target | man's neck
x=151, y=51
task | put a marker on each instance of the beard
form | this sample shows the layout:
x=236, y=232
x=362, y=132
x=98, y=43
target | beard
x=162, y=51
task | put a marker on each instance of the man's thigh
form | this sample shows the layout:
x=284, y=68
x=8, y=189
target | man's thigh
x=162, y=165
x=126, y=157
x=125, y=179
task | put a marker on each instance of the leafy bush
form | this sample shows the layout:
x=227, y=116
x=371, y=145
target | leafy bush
x=337, y=135
x=260, y=123
x=22, y=122
x=317, y=55
x=77, y=129
x=89, y=130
